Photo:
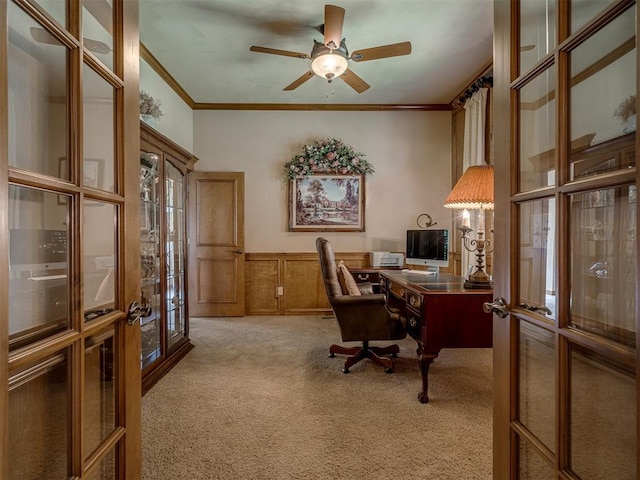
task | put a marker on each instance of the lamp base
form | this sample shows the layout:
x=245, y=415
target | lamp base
x=478, y=284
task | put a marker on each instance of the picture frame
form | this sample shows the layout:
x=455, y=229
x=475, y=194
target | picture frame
x=327, y=203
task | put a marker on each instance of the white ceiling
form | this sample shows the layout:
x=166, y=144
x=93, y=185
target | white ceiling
x=204, y=45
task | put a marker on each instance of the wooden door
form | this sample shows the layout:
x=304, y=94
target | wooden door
x=69, y=360
x=216, y=244
x=565, y=260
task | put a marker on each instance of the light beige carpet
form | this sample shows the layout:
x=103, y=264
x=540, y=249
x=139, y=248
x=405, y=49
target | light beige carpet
x=258, y=398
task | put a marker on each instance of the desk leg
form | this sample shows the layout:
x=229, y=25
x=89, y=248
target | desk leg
x=425, y=361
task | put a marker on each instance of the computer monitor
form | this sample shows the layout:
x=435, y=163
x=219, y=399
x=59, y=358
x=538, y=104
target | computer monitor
x=429, y=248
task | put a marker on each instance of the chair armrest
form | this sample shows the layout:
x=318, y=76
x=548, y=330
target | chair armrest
x=348, y=300
x=366, y=288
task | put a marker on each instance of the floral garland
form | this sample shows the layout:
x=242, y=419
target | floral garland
x=331, y=155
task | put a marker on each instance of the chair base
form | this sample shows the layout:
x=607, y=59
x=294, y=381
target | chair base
x=379, y=355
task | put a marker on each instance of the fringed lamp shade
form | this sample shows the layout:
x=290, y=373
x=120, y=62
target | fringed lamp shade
x=474, y=190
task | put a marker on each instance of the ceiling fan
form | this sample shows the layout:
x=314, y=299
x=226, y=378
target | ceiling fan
x=330, y=58
x=95, y=46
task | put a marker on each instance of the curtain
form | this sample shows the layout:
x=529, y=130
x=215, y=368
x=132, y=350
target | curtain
x=473, y=153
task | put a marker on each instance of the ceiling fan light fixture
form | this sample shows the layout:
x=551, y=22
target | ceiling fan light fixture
x=329, y=65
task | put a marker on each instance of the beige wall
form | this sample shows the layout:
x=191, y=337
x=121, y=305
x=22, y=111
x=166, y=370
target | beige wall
x=411, y=152
x=177, y=121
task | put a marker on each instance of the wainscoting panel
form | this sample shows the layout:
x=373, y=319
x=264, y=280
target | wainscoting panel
x=290, y=283
x=261, y=278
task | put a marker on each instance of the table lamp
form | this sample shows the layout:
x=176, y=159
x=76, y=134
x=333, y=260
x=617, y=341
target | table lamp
x=474, y=191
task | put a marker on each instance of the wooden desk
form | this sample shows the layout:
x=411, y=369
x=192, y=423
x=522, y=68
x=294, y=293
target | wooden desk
x=440, y=313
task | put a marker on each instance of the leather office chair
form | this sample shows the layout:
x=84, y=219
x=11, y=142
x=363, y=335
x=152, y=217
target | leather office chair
x=362, y=318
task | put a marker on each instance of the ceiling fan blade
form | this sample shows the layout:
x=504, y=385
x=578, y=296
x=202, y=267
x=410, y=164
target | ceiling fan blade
x=333, y=21
x=354, y=81
x=299, y=81
x=42, y=36
x=384, y=51
x=274, y=51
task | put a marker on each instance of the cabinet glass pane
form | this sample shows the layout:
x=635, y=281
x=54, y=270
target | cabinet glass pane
x=38, y=265
x=98, y=131
x=583, y=11
x=175, y=324
x=99, y=390
x=531, y=465
x=537, y=380
x=175, y=180
x=537, y=31
x=603, y=231
x=603, y=418
x=151, y=336
x=537, y=251
x=537, y=105
x=603, y=88
x=97, y=27
x=175, y=292
x=38, y=420
x=37, y=96
x=99, y=222
x=150, y=256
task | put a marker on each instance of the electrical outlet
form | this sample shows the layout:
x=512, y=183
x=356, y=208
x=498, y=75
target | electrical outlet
x=279, y=291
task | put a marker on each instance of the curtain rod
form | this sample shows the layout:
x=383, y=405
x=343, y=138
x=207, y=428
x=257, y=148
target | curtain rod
x=482, y=82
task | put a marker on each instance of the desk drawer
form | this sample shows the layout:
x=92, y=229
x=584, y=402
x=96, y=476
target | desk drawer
x=364, y=276
x=397, y=289
x=414, y=300
x=414, y=325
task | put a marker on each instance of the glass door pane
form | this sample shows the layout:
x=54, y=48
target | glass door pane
x=97, y=28
x=39, y=398
x=537, y=373
x=537, y=288
x=38, y=265
x=537, y=31
x=603, y=299
x=37, y=96
x=537, y=132
x=602, y=99
x=603, y=409
x=99, y=413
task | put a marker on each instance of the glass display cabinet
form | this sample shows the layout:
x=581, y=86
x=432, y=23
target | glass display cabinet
x=163, y=254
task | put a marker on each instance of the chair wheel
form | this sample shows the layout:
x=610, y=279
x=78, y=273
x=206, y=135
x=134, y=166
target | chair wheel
x=394, y=355
x=345, y=370
x=331, y=355
x=388, y=370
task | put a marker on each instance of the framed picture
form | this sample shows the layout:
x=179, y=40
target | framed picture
x=91, y=173
x=326, y=202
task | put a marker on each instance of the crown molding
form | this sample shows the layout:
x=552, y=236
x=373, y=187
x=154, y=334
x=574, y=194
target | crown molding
x=148, y=57
x=350, y=107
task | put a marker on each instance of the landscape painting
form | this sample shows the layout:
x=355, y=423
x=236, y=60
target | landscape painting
x=321, y=203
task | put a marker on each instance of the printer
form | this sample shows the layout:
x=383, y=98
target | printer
x=386, y=259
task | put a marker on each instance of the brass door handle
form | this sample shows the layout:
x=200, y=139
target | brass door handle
x=498, y=306
x=237, y=251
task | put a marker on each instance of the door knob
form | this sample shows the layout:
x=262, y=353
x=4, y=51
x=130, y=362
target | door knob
x=237, y=251
x=498, y=306
x=136, y=311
